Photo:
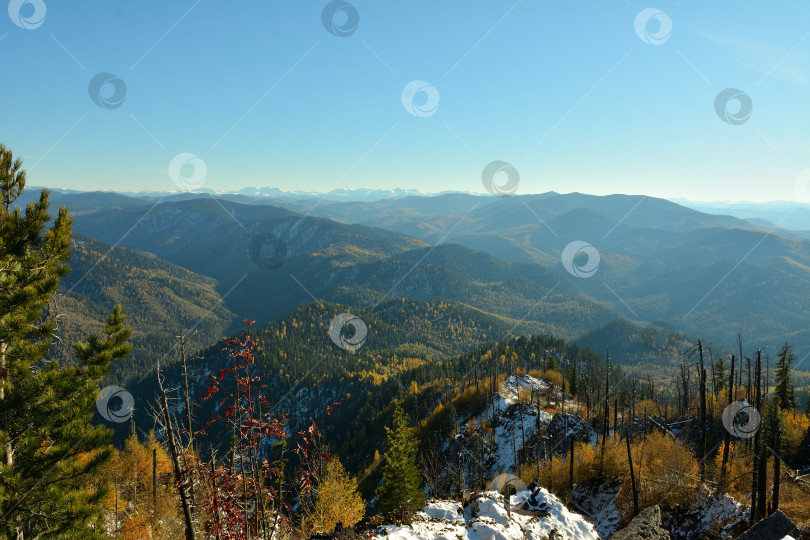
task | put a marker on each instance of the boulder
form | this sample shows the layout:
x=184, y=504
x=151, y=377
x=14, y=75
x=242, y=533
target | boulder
x=774, y=527
x=646, y=525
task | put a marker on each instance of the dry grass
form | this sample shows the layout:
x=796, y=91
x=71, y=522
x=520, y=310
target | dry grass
x=795, y=503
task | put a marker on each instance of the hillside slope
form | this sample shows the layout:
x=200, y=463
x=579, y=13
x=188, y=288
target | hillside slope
x=160, y=299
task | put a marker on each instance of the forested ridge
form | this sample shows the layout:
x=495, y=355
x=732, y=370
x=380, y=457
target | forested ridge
x=160, y=298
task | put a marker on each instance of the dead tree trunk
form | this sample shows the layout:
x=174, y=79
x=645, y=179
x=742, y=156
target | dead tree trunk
x=702, y=440
x=178, y=473
x=186, y=398
x=777, y=467
x=571, y=466
x=727, y=438
x=756, y=506
x=632, y=472
x=606, y=425
x=615, y=418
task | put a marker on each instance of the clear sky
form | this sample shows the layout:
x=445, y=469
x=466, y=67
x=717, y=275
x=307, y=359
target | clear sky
x=577, y=96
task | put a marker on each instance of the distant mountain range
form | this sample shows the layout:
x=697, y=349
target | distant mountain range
x=785, y=214
x=789, y=215
x=701, y=274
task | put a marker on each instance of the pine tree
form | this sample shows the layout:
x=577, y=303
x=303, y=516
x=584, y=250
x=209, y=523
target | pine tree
x=784, y=383
x=400, y=494
x=48, y=445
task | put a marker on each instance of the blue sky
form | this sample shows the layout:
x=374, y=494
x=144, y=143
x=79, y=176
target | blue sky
x=567, y=92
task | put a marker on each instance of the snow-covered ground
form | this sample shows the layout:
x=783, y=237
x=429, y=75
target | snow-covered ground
x=597, y=502
x=535, y=515
x=521, y=383
x=509, y=433
x=516, y=422
x=717, y=517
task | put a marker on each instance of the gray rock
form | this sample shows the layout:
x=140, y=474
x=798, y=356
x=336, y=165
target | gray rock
x=774, y=527
x=646, y=525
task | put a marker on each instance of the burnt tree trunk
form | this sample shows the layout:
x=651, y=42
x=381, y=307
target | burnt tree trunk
x=777, y=468
x=571, y=466
x=615, y=417
x=756, y=507
x=727, y=438
x=178, y=473
x=632, y=472
x=606, y=425
x=702, y=440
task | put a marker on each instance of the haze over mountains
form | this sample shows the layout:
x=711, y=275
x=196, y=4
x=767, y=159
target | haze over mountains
x=658, y=262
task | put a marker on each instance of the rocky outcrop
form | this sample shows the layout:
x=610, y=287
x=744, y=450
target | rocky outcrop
x=708, y=515
x=774, y=527
x=564, y=427
x=646, y=525
x=596, y=500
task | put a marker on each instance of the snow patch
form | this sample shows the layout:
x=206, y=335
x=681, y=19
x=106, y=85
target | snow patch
x=536, y=515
